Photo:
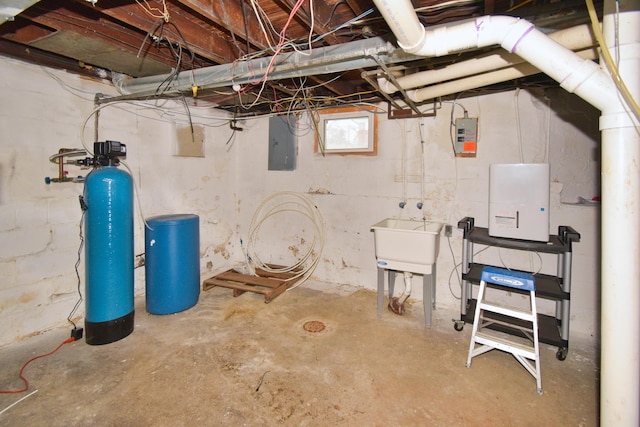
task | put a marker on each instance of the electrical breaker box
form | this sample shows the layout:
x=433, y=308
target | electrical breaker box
x=466, y=139
x=519, y=201
x=282, y=144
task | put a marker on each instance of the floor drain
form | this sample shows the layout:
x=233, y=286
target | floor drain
x=313, y=326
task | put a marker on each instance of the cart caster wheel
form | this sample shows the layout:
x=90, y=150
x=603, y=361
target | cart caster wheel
x=458, y=325
x=562, y=352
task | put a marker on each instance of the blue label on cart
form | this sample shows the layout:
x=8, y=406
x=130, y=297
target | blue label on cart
x=382, y=263
x=510, y=281
x=514, y=279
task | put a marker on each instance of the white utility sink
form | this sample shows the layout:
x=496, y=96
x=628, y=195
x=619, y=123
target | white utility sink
x=407, y=244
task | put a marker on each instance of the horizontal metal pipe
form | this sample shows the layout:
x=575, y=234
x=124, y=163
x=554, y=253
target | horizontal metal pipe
x=323, y=60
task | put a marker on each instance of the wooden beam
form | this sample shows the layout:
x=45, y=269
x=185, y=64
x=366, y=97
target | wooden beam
x=359, y=6
x=95, y=27
x=48, y=59
x=228, y=14
x=202, y=38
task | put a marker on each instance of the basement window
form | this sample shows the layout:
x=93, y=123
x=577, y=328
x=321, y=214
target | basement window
x=348, y=130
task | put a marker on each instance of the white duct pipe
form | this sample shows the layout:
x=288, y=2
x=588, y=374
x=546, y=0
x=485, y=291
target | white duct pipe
x=620, y=294
x=516, y=36
x=473, y=82
x=575, y=38
x=620, y=235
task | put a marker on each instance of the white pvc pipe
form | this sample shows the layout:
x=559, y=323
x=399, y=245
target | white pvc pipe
x=407, y=287
x=403, y=21
x=473, y=82
x=516, y=36
x=620, y=295
x=574, y=38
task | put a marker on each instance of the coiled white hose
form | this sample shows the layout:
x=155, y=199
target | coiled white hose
x=281, y=202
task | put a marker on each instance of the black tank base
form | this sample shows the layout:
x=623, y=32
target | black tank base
x=98, y=333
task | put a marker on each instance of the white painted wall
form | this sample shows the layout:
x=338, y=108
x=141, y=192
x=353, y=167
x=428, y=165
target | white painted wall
x=39, y=223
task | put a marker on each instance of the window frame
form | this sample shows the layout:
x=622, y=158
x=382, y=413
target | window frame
x=340, y=113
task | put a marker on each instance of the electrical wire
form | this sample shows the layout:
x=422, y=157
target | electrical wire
x=504, y=264
x=259, y=12
x=21, y=373
x=151, y=11
x=455, y=268
x=135, y=187
x=246, y=24
x=281, y=42
x=230, y=27
x=516, y=108
x=77, y=266
x=452, y=124
x=404, y=166
x=422, y=142
x=341, y=26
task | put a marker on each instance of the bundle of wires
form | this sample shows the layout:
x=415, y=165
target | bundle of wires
x=281, y=203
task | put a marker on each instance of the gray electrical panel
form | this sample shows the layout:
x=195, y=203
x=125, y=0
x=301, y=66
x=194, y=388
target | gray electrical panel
x=466, y=136
x=282, y=144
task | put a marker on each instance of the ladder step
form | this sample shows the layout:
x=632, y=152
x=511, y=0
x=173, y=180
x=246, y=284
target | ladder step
x=505, y=344
x=507, y=311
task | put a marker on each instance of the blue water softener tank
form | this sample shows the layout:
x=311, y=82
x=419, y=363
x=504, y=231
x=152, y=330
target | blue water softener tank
x=172, y=263
x=108, y=200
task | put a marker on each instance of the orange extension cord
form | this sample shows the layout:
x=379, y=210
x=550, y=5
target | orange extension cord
x=24, y=380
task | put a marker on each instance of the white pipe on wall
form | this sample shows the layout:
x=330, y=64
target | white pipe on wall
x=620, y=295
x=620, y=235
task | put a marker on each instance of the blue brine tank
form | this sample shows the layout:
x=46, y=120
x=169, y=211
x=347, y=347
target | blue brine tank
x=109, y=255
x=172, y=263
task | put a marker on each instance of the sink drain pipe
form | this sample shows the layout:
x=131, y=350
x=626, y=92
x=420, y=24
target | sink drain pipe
x=396, y=304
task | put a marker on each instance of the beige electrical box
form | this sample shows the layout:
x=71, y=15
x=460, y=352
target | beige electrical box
x=466, y=138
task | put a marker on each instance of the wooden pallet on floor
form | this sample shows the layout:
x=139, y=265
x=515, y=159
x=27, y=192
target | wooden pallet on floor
x=266, y=283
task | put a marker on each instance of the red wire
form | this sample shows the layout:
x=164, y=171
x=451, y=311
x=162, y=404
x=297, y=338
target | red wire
x=24, y=380
x=282, y=39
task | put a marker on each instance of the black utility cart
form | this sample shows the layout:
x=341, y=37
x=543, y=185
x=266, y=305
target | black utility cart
x=553, y=330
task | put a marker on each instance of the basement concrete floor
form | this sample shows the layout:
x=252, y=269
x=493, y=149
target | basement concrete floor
x=240, y=362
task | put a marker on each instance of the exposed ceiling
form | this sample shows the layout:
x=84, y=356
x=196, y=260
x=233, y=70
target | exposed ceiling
x=112, y=38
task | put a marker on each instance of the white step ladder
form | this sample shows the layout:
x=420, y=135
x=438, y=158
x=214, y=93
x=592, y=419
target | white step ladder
x=524, y=352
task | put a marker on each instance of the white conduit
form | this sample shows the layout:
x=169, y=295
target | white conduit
x=472, y=82
x=278, y=203
x=620, y=234
x=516, y=36
x=575, y=38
